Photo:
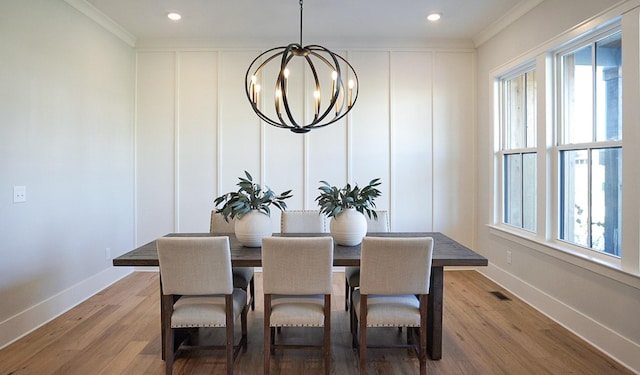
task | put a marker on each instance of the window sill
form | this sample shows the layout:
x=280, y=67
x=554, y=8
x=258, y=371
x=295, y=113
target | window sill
x=610, y=268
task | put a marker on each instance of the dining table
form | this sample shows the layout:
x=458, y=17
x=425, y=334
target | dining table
x=446, y=253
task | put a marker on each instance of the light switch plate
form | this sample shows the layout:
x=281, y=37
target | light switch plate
x=19, y=194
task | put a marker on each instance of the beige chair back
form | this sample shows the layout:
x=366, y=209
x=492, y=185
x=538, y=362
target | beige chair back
x=195, y=265
x=219, y=225
x=380, y=225
x=395, y=265
x=297, y=265
x=303, y=221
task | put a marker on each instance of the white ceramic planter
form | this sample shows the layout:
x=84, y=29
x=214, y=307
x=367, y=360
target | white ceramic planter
x=252, y=227
x=349, y=227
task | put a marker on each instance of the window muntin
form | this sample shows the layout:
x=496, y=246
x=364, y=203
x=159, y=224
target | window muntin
x=519, y=157
x=589, y=145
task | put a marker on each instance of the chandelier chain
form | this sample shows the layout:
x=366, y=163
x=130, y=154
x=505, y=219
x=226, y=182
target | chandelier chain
x=300, y=23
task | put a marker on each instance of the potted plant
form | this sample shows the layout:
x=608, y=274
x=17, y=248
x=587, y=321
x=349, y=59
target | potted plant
x=346, y=207
x=250, y=205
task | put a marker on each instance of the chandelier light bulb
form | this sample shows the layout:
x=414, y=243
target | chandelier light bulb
x=174, y=16
x=434, y=17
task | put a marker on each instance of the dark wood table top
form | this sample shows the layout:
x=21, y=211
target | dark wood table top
x=446, y=252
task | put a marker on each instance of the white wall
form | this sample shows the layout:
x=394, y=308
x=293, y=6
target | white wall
x=412, y=126
x=66, y=133
x=598, y=303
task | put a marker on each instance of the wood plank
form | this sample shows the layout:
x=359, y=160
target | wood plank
x=118, y=332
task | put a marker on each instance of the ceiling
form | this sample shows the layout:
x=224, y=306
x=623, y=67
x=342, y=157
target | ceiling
x=359, y=22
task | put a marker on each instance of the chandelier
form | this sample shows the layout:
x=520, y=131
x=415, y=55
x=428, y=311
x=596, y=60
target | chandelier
x=297, y=81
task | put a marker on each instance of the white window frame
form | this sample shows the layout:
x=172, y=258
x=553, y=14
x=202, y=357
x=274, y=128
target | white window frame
x=502, y=151
x=560, y=145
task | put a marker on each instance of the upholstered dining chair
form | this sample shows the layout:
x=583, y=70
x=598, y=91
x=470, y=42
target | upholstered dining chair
x=394, y=286
x=352, y=274
x=197, y=292
x=242, y=276
x=297, y=284
x=303, y=221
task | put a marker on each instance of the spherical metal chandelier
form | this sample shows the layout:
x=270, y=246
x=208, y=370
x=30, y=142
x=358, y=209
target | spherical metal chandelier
x=304, y=73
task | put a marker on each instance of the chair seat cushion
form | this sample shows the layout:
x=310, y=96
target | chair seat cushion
x=205, y=311
x=242, y=276
x=297, y=311
x=390, y=310
x=353, y=276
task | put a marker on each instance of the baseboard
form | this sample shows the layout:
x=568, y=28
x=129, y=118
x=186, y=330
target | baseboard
x=38, y=315
x=604, y=339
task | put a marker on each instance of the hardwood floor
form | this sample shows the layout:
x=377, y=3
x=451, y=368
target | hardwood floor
x=117, y=331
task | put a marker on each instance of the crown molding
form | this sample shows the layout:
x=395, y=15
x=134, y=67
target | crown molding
x=103, y=20
x=507, y=19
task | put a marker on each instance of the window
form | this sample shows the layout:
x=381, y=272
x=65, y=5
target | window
x=590, y=143
x=518, y=123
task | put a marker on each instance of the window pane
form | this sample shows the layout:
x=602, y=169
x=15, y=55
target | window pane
x=513, y=190
x=520, y=111
x=515, y=113
x=606, y=200
x=609, y=88
x=578, y=96
x=520, y=190
x=531, y=109
x=574, y=223
x=529, y=191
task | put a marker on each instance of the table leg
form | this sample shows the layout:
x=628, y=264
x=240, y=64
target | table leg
x=434, y=313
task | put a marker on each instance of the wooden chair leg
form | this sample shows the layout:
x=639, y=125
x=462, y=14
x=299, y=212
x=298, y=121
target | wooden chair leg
x=229, y=331
x=423, y=334
x=363, y=334
x=327, y=334
x=168, y=333
x=267, y=333
x=168, y=351
x=243, y=321
x=353, y=325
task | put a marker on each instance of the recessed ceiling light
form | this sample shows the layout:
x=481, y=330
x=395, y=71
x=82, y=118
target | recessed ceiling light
x=174, y=16
x=434, y=17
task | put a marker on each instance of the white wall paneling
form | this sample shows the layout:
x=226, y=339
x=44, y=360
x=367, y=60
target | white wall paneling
x=411, y=135
x=369, y=126
x=197, y=142
x=241, y=135
x=156, y=147
x=453, y=146
x=192, y=108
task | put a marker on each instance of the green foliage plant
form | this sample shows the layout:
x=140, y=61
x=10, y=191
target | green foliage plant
x=333, y=200
x=250, y=196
